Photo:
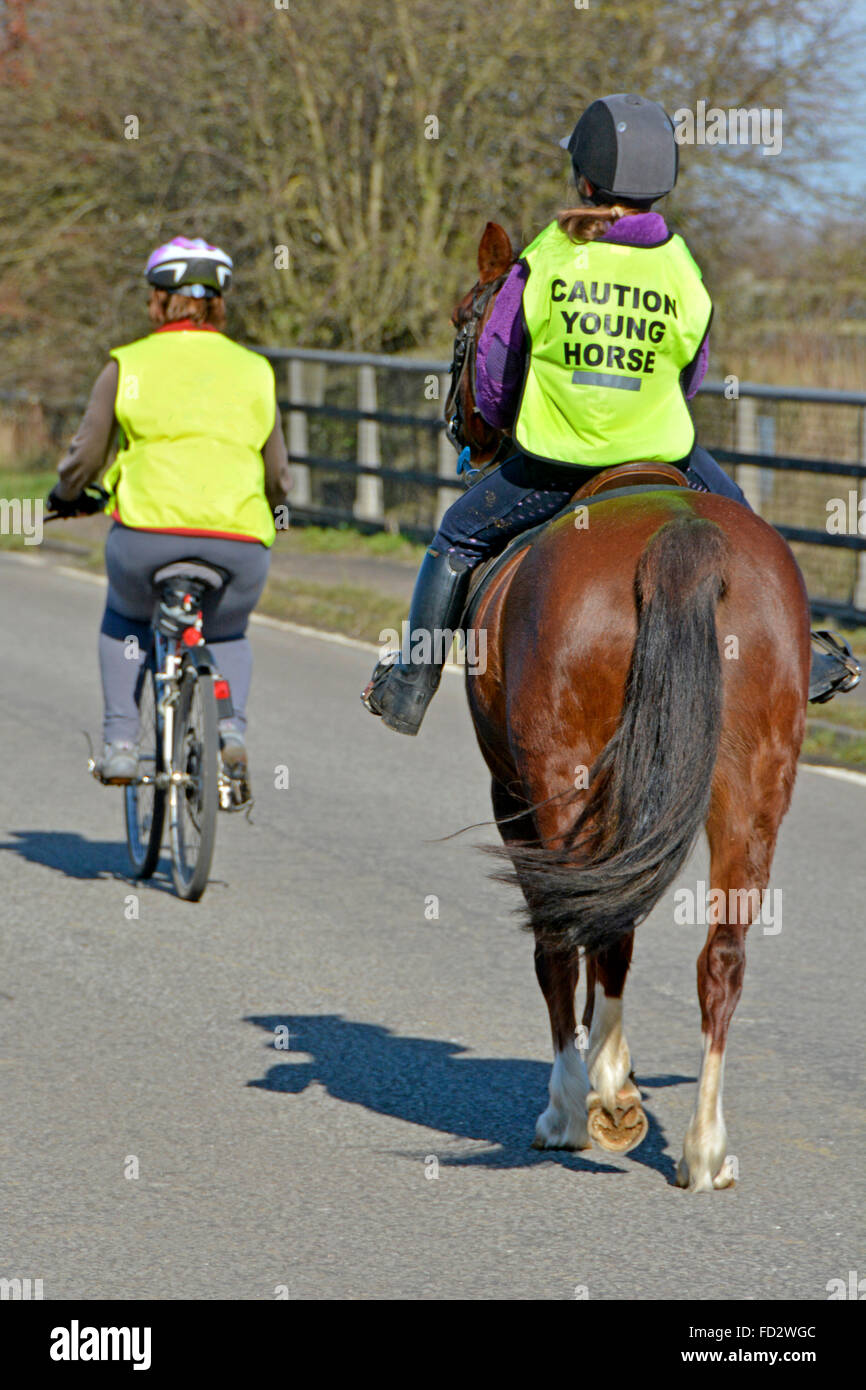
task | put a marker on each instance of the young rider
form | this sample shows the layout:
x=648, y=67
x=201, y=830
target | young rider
x=202, y=465
x=596, y=341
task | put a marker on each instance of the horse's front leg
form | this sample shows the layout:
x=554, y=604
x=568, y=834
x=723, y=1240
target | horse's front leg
x=563, y=1124
x=616, y=1118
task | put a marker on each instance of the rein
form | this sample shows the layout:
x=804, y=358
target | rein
x=464, y=359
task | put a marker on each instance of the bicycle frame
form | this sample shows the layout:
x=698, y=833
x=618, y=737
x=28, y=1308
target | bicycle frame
x=169, y=662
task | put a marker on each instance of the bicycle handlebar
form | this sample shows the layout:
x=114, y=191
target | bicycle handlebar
x=89, y=501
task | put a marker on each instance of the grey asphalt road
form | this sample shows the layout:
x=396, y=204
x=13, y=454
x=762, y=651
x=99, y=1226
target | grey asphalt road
x=384, y=1153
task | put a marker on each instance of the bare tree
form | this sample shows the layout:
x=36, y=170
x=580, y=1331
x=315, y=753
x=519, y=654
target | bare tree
x=349, y=157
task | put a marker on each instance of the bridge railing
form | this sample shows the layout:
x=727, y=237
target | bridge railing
x=366, y=436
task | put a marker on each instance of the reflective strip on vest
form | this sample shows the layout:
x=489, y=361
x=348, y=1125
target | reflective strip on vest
x=195, y=409
x=610, y=328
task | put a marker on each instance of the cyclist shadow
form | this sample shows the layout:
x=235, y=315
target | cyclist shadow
x=426, y=1082
x=74, y=856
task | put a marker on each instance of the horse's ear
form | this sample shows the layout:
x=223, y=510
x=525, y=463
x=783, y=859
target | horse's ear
x=494, y=253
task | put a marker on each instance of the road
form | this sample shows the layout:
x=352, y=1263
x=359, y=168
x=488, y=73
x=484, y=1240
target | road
x=385, y=1152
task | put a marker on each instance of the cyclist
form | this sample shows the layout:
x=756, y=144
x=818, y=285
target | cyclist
x=201, y=465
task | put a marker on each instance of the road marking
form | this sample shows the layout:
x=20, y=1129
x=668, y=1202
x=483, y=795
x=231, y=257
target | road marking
x=336, y=638
x=843, y=774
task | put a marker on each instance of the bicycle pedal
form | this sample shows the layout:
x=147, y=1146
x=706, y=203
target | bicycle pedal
x=242, y=796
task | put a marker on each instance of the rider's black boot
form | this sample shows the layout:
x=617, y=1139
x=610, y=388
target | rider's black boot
x=400, y=690
x=834, y=668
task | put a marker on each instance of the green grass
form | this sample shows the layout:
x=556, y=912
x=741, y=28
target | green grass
x=352, y=611
x=855, y=635
x=344, y=540
x=839, y=749
x=842, y=711
x=21, y=482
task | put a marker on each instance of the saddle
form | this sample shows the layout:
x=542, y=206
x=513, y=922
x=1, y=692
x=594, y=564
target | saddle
x=621, y=480
x=652, y=476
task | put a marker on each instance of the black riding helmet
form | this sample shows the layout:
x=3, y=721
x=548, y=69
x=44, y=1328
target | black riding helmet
x=625, y=146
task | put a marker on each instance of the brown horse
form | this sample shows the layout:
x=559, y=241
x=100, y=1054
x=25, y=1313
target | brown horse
x=647, y=674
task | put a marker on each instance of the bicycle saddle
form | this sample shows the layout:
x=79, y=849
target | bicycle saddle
x=209, y=575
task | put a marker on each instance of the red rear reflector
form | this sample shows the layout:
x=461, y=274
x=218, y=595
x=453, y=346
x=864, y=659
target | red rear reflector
x=191, y=636
x=221, y=690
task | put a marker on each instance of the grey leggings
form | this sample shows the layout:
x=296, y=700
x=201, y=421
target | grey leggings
x=130, y=559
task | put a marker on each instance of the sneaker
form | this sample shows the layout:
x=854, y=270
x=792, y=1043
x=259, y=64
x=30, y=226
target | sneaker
x=118, y=765
x=236, y=765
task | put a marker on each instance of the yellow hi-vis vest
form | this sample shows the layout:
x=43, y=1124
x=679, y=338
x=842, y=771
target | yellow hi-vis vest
x=195, y=410
x=609, y=330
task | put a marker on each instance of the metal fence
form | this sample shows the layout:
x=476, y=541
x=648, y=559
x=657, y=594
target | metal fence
x=366, y=436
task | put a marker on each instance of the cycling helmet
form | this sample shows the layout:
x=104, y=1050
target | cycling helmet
x=190, y=267
x=625, y=146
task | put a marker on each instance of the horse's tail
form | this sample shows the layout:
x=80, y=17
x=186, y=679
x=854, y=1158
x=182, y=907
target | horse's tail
x=650, y=788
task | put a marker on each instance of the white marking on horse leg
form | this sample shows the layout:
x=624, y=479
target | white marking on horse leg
x=609, y=1060
x=563, y=1124
x=702, y=1166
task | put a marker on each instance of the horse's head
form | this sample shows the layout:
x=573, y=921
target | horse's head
x=465, y=424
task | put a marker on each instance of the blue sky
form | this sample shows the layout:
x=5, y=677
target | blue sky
x=852, y=137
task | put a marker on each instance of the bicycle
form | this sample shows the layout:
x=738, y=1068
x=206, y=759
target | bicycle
x=181, y=698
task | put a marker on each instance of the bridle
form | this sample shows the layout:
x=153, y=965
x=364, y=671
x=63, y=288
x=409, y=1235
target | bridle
x=463, y=360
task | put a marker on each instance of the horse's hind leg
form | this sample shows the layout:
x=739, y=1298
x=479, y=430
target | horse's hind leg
x=741, y=852
x=563, y=1124
x=721, y=966
x=616, y=1118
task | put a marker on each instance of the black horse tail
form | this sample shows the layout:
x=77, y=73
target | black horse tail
x=649, y=790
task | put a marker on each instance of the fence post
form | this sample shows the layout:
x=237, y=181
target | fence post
x=859, y=598
x=369, y=502
x=301, y=493
x=446, y=461
x=747, y=475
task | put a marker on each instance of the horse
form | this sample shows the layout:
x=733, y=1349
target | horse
x=647, y=676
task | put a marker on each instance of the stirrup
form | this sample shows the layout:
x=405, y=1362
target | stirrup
x=378, y=681
x=401, y=694
x=838, y=650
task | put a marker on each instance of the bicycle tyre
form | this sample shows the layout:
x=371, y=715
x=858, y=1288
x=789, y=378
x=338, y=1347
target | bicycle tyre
x=194, y=805
x=144, y=807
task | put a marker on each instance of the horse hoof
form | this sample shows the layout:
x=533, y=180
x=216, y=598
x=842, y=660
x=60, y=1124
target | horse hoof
x=620, y=1130
x=703, y=1181
x=554, y=1130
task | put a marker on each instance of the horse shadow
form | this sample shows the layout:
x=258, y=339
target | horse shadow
x=428, y=1082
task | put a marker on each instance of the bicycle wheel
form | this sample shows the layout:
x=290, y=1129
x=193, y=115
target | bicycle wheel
x=145, y=805
x=194, y=802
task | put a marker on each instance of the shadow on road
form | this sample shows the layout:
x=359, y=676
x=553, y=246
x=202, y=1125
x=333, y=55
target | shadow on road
x=75, y=857
x=426, y=1082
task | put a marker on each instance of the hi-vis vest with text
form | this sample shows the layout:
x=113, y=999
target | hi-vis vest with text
x=195, y=409
x=610, y=328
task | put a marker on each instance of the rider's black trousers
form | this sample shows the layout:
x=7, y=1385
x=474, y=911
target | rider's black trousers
x=523, y=492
